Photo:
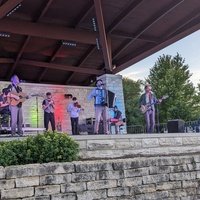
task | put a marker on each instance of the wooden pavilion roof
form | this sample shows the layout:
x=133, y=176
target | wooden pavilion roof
x=73, y=41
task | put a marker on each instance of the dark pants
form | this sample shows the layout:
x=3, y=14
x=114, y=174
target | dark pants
x=49, y=117
x=74, y=124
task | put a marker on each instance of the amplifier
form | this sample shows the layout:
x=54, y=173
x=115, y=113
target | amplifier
x=176, y=126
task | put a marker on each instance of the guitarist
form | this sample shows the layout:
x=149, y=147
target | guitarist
x=149, y=98
x=16, y=111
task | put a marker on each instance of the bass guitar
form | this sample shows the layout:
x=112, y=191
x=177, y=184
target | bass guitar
x=14, y=98
x=147, y=107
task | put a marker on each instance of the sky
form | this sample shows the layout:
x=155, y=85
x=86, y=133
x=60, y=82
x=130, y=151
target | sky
x=188, y=48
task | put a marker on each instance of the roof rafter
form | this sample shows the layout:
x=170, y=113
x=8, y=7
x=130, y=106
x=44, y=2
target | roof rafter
x=88, y=8
x=103, y=35
x=84, y=70
x=8, y=6
x=154, y=49
x=125, y=12
x=147, y=25
x=47, y=31
x=44, y=10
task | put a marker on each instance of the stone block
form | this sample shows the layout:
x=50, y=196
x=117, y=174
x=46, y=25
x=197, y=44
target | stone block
x=38, y=169
x=92, y=166
x=7, y=184
x=55, y=179
x=17, y=193
x=136, y=172
x=179, y=168
x=179, y=193
x=150, y=142
x=47, y=190
x=2, y=172
x=73, y=187
x=155, y=178
x=183, y=176
x=91, y=195
x=107, y=175
x=159, y=169
x=82, y=177
x=68, y=196
x=82, y=144
x=153, y=196
x=102, y=184
x=191, y=140
x=122, y=144
x=38, y=198
x=100, y=144
x=170, y=141
x=168, y=185
x=118, y=192
x=143, y=189
x=136, y=143
x=193, y=166
x=27, y=181
x=129, y=182
x=133, y=163
x=190, y=184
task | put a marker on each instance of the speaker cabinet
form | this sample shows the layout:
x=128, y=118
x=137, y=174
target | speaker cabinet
x=176, y=126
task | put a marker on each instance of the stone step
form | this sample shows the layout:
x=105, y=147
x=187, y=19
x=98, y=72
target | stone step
x=118, y=146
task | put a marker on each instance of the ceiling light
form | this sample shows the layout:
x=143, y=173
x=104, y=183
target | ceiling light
x=14, y=9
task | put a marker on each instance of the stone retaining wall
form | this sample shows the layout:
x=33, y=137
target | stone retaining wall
x=134, y=145
x=141, y=179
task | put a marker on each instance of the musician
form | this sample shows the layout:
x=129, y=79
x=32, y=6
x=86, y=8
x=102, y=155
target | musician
x=118, y=121
x=48, y=106
x=100, y=96
x=74, y=109
x=16, y=111
x=4, y=108
x=146, y=99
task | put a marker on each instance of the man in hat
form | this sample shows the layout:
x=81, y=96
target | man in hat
x=100, y=104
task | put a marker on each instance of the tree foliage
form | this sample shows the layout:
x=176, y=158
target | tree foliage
x=132, y=92
x=170, y=75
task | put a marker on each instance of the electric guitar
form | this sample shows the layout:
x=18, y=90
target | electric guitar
x=147, y=107
x=14, y=98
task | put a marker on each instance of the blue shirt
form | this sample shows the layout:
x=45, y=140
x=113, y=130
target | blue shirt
x=73, y=111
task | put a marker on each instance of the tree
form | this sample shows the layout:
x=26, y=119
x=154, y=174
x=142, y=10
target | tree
x=170, y=75
x=132, y=92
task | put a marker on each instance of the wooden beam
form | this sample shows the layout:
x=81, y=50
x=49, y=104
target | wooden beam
x=120, y=34
x=148, y=25
x=125, y=12
x=83, y=14
x=53, y=57
x=42, y=13
x=8, y=6
x=161, y=45
x=47, y=31
x=102, y=35
x=83, y=70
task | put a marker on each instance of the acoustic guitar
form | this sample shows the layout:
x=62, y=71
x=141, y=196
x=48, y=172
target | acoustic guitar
x=145, y=108
x=14, y=98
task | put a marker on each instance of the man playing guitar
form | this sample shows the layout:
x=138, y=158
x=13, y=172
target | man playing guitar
x=148, y=98
x=15, y=110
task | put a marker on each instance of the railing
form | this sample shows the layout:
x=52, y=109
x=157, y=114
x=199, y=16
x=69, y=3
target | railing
x=189, y=127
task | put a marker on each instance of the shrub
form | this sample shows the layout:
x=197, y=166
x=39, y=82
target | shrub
x=43, y=148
